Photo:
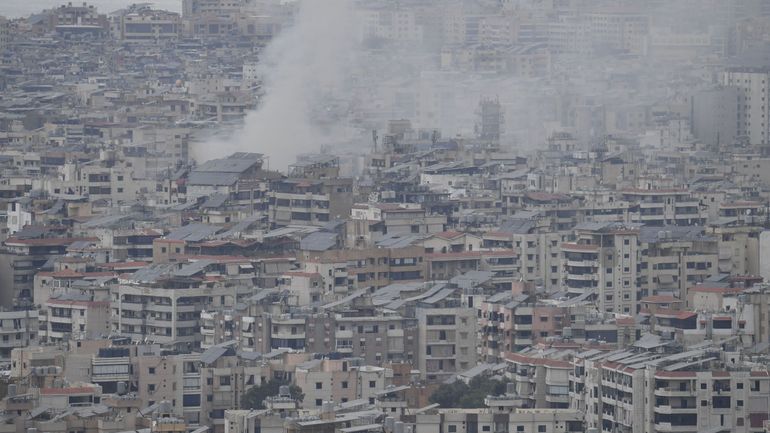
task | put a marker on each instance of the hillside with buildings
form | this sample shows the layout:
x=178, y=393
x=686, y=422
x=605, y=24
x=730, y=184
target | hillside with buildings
x=369, y=216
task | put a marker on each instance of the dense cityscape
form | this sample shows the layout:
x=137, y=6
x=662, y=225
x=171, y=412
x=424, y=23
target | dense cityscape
x=379, y=216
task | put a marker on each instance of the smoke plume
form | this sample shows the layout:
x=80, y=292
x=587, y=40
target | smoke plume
x=301, y=69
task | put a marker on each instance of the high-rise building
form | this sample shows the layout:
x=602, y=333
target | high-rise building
x=753, y=86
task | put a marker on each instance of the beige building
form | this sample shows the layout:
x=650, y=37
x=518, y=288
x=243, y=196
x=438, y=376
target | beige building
x=339, y=381
x=446, y=342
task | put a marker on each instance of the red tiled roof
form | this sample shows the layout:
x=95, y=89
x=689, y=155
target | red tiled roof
x=449, y=234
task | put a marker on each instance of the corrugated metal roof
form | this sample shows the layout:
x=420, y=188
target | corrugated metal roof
x=193, y=268
x=212, y=179
x=318, y=241
x=192, y=232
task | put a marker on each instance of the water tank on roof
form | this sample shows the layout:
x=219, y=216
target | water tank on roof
x=283, y=391
x=389, y=422
x=327, y=407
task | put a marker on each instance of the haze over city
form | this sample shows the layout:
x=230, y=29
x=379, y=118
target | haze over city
x=377, y=216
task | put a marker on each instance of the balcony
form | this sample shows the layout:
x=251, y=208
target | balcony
x=583, y=277
x=288, y=336
x=668, y=427
x=582, y=263
x=669, y=392
x=675, y=410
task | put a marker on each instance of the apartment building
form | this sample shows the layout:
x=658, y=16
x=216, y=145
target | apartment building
x=370, y=223
x=309, y=201
x=537, y=246
x=603, y=260
x=21, y=259
x=162, y=305
x=239, y=177
x=675, y=258
x=645, y=391
x=378, y=339
x=753, y=85
x=617, y=29
x=661, y=207
x=342, y=270
x=17, y=329
x=446, y=341
x=149, y=26
x=74, y=316
x=489, y=419
x=541, y=381
x=339, y=380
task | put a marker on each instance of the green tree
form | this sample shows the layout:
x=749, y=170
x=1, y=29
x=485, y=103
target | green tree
x=472, y=395
x=254, y=397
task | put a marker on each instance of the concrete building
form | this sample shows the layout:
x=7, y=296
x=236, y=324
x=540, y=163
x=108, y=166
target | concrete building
x=753, y=103
x=446, y=341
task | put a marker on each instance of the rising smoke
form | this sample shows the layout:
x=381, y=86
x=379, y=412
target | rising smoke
x=302, y=70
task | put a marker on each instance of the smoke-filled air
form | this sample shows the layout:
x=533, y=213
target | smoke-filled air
x=303, y=71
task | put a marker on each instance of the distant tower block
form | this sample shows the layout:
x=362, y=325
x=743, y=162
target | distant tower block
x=491, y=117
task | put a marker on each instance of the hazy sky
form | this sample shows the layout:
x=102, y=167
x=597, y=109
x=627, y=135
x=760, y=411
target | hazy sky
x=18, y=8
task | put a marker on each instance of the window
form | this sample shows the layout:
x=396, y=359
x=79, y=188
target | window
x=541, y=428
x=702, y=386
x=485, y=428
x=452, y=428
x=739, y=403
x=739, y=385
x=318, y=385
x=345, y=384
x=372, y=384
x=151, y=387
x=739, y=422
x=318, y=402
x=704, y=403
x=151, y=370
x=519, y=428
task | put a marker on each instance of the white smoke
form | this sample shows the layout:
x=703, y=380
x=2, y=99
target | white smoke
x=300, y=70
